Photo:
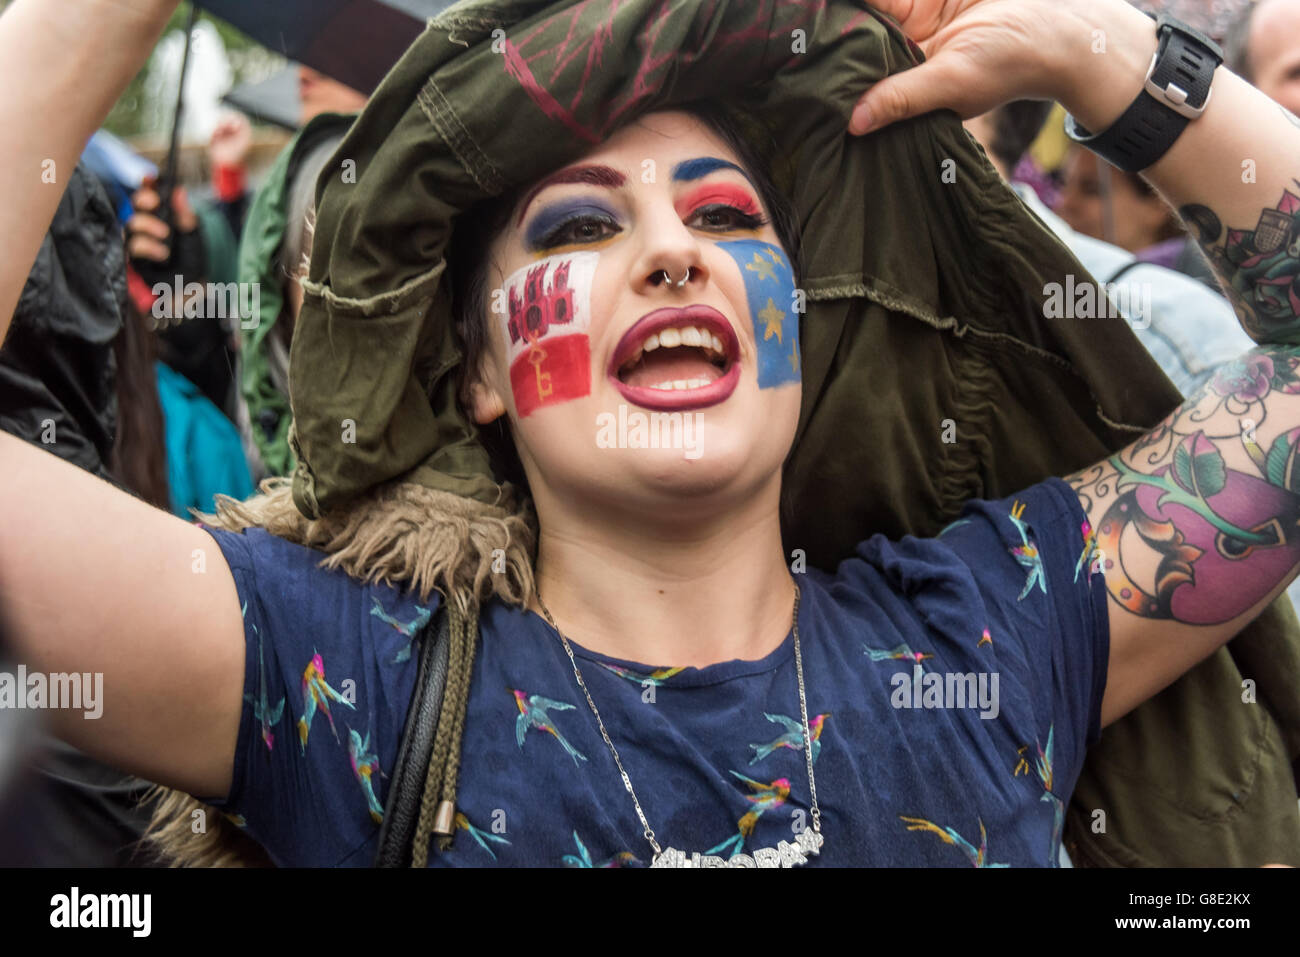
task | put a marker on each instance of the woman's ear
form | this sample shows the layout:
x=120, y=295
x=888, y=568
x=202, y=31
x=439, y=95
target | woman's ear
x=485, y=403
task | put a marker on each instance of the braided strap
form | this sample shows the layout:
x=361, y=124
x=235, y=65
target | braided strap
x=437, y=804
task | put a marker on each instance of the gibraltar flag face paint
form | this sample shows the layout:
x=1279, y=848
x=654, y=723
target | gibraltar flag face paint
x=546, y=334
x=769, y=286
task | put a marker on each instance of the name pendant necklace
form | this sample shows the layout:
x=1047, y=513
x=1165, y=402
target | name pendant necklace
x=787, y=853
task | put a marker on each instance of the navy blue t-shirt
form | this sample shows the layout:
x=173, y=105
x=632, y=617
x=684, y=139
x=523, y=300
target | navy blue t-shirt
x=953, y=684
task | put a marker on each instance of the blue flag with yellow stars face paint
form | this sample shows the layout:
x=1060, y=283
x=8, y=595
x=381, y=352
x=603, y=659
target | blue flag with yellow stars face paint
x=769, y=284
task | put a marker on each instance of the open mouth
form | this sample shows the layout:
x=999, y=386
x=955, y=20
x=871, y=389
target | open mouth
x=677, y=358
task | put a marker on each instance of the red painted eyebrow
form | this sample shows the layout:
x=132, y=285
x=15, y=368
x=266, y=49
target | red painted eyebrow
x=595, y=175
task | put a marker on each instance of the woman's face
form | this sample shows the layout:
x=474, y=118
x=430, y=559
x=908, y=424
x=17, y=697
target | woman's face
x=1141, y=220
x=624, y=389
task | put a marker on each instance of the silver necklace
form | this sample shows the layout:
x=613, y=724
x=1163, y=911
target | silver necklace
x=807, y=842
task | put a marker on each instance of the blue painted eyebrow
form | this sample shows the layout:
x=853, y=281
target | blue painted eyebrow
x=703, y=166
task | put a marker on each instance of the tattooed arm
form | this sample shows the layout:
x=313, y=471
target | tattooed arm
x=1199, y=521
x=1197, y=524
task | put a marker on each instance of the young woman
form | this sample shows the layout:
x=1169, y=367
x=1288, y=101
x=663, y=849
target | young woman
x=671, y=689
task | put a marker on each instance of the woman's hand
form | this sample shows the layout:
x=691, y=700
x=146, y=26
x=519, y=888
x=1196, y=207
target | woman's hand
x=1091, y=55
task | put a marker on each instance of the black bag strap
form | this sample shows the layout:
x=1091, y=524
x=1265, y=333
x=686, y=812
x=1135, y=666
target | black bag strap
x=405, y=789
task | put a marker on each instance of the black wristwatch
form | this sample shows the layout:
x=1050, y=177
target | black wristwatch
x=1176, y=91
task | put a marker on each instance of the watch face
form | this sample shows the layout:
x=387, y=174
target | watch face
x=1271, y=231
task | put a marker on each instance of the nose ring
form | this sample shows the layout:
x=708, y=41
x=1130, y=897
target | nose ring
x=679, y=283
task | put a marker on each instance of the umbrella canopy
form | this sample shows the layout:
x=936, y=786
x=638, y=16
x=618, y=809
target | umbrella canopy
x=354, y=41
x=273, y=100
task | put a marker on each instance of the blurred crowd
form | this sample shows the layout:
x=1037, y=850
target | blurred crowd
x=151, y=343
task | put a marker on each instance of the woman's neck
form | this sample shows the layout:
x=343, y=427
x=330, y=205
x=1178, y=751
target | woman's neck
x=670, y=593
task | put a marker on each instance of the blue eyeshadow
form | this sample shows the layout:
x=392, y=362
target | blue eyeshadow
x=552, y=216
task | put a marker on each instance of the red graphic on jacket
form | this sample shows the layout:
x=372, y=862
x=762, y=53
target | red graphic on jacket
x=549, y=308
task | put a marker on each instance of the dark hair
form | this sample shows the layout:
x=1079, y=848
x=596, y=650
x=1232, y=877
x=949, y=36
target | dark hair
x=1236, y=43
x=1015, y=127
x=478, y=227
x=139, y=456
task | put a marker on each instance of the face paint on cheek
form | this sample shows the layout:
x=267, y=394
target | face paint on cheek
x=769, y=287
x=546, y=331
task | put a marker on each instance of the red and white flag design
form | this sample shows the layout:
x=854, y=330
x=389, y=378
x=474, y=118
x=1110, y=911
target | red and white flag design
x=549, y=305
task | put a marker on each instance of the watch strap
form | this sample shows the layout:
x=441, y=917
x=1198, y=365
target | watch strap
x=1177, y=90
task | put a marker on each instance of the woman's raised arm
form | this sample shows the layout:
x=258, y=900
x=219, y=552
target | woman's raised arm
x=91, y=579
x=62, y=66
x=1232, y=170
x=1196, y=526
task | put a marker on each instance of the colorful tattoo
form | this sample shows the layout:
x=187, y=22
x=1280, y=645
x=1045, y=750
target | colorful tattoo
x=769, y=287
x=1211, y=497
x=546, y=331
x=1260, y=266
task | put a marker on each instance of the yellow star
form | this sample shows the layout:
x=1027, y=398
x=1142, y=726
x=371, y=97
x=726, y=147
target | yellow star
x=775, y=258
x=794, y=357
x=772, y=317
x=762, y=267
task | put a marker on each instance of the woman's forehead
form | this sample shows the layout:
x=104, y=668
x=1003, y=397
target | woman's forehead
x=679, y=143
x=664, y=133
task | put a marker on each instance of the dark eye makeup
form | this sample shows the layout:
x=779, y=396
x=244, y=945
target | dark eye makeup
x=581, y=221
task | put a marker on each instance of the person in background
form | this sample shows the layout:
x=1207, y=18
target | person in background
x=228, y=149
x=1191, y=330
x=320, y=94
x=1143, y=223
x=205, y=456
x=1263, y=47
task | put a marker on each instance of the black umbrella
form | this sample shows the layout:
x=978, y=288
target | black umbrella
x=353, y=41
x=273, y=100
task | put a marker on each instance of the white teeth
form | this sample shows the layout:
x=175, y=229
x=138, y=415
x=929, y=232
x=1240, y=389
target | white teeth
x=678, y=384
x=686, y=336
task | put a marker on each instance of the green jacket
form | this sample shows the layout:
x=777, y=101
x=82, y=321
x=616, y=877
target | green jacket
x=260, y=261
x=924, y=309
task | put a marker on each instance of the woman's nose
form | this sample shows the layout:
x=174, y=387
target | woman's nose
x=672, y=256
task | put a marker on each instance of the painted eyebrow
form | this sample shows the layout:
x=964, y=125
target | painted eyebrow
x=702, y=166
x=605, y=176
